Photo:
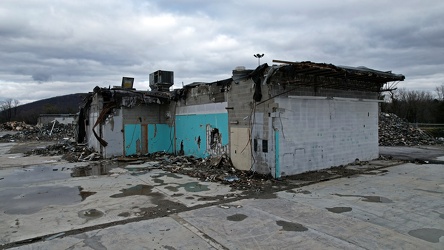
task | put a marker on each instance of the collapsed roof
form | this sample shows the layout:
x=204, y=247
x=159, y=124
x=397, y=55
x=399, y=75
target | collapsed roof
x=328, y=76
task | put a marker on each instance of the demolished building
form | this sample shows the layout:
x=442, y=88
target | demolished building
x=280, y=120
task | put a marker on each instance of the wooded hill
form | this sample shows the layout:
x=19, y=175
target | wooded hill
x=29, y=113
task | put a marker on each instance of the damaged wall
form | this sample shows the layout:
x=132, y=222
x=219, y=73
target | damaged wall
x=299, y=127
x=112, y=132
x=201, y=130
x=144, y=125
x=240, y=107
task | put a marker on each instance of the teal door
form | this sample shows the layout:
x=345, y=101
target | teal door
x=133, y=139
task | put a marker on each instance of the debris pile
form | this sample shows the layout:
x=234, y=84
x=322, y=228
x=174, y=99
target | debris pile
x=394, y=131
x=214, y=169
x=71, y=151
x=20, y=131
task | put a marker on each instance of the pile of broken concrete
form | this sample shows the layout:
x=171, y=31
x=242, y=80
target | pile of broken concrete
x=394, y=131
x=213, y=169
x=71, y=151
x=20, y=131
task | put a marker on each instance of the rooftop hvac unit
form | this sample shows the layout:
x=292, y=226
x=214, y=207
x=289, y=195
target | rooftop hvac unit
x=161, y=80
x=127, y=82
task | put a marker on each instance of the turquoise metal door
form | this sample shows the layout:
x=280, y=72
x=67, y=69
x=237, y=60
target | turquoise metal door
x=133, y=139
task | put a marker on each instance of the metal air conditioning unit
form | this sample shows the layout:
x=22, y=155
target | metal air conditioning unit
x=161, y=80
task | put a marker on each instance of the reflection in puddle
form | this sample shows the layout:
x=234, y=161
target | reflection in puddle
x=31, y=200
x=35, y=174
x=93, y=169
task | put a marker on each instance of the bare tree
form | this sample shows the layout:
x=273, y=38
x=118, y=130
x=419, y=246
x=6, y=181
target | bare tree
x=8, y=106
x=440, y=92
x=413, y=105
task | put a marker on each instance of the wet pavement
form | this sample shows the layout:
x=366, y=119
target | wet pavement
x=61, y=205
x=429, y=154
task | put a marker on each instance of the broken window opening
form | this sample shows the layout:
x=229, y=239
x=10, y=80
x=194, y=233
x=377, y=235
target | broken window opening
x=255, y=145
x=215, y=138
x=265, y=146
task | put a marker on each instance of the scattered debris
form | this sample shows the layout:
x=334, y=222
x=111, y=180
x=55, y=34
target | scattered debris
x=20, y=131
x=394, y=131
x=71, y=151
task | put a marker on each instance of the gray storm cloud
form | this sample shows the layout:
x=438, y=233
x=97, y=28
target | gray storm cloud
x=79, y=44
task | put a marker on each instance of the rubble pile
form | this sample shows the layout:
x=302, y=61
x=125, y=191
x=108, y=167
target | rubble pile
x=215, y=169
x=20, y=131
x=394, y=131
x=71, y=151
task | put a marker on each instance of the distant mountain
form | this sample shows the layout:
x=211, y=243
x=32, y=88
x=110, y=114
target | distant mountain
x=29, y=113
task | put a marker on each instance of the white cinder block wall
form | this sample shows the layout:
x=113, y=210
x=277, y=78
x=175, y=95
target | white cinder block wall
x=317, y=133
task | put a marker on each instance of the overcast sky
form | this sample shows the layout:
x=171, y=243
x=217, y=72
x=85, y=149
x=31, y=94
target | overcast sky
x=56, y=47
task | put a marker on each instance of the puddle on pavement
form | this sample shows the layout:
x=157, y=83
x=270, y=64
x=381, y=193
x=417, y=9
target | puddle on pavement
x=291, y=226
x=137, y=190
x=428, y=234
x=90, y=214
x=35, y=174
x=31, y=200
x=237, y=217
x=194, y=187
x=189, y=187
x=100, y=168
x=124, y=214
x=339, y=210
x=172, y=188
x=378, y=199
x=172, y=175
x=159, y=181
x=85, y=194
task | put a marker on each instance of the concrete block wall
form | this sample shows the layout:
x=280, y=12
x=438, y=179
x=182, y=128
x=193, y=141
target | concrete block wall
x=320, y=133
x=203, y=94
x=145, y=114
x=240, y=104
x=327, y=92
x=240, y=109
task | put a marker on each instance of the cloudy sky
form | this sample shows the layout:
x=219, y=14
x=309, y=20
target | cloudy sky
x=56, y=47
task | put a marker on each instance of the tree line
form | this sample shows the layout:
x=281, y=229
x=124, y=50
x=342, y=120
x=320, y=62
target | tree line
x=416, y=106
